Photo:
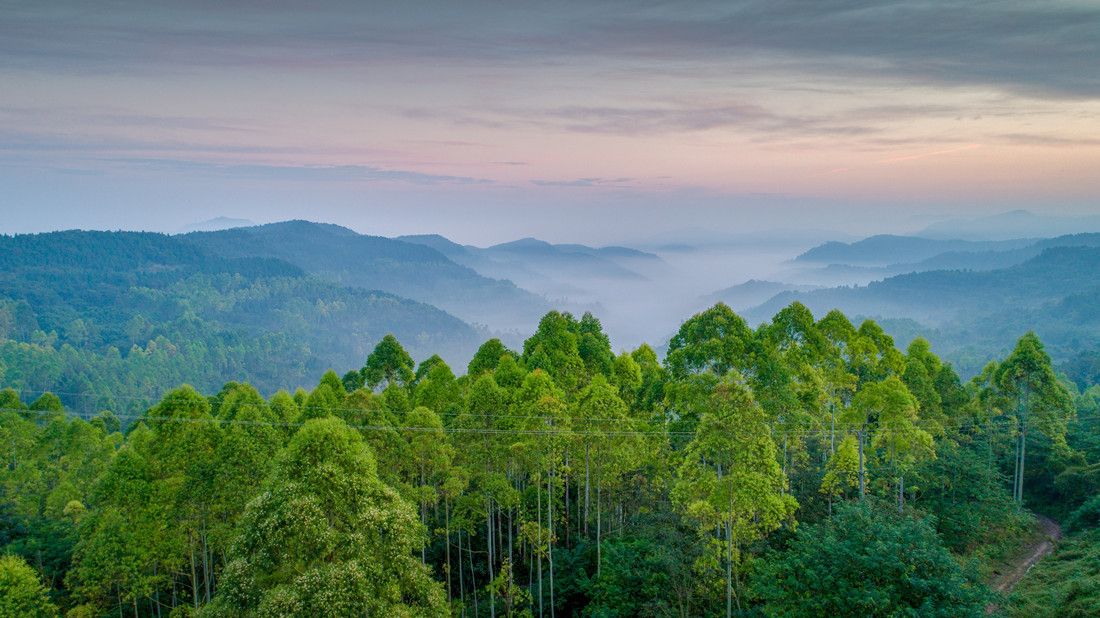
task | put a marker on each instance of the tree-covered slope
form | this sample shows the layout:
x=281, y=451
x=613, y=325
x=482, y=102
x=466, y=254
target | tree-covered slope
x=122, y=314
x=977, y=314
x=885, y=249
x=372, y=262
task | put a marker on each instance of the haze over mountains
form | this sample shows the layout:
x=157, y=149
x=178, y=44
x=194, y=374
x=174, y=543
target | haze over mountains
x=249, y=287
x=411, y=270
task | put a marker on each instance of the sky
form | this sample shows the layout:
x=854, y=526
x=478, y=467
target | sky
x=589, y=121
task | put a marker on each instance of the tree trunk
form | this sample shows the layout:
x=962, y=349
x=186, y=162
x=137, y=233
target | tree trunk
x=538, y=529
x=729, y=569
x=511, y=557
x=565, y=498
x=194, y=577
x=447, y=530
x=862, y=489
x=901, y=493
x=832, y=429
x=1023, y=462
x=599, y=545
x=489, y=558
x=550, y=541
x=587, y=488
x=205, y=566
x=473, y=574
x=461, y=577
x=423, y=519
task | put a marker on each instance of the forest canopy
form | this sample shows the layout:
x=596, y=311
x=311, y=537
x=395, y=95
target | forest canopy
x=753, y=471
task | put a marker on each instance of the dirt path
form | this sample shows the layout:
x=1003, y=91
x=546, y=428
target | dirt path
x=1004, y=582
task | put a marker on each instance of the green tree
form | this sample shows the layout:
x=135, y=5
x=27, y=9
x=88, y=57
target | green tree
x=716, y=340
x=554, y=349
x=865, y=561
x=487, y=357
x=730, y=482
x=1041, y=400
x=325, y=537
x=388, y=363
x=891, y=411
x=22, y=595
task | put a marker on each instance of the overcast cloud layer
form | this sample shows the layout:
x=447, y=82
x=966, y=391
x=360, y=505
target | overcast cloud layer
x=492, y=120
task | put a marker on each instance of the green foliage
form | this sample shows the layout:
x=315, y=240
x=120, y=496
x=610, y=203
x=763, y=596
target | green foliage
x=141, y=313
x=600, y=485
x=388, y=363
x=326, y=538
x=865, y=561
x=1065, y=584
x=1085, y=517
x=22, y=595
x=487, y=357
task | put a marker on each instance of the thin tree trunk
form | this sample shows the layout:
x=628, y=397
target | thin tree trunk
x=832, y=429
x=194, y=577
x=565, y=498
x=729, y=565
x=461, y=577
x=587, y=489
x=862, y=488
x=901, y=493
x=550, y=528
x=489, y=557
x=511, y=556
x=423, y=519
x=538, y=550
x=599, y=544
x=156, y=593
x=1023, y=462
x=1016, y=465
x=473, y=574
x=205, y=565
x=447, y=530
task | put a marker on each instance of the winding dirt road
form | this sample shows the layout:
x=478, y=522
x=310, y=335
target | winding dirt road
x=1035, y=551
x=1052, y=532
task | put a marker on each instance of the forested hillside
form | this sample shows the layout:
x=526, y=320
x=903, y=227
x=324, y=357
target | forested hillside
x=555, y=270
x=111, y=319
x=885, y=255
x=807, y=467
x=407, y=269
x=971, y=316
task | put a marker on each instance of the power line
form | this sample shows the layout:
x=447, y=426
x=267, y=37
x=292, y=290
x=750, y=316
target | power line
x=565, y=431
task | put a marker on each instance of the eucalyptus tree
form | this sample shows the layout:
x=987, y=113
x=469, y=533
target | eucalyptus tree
x=431, y=456
x=731, y=485
x=554, y=348
x=487, y=357
x=436, y=387
x=1040, y=400
x=542, y=426
x=890, y=411
x=21, y=592
x=387, y=364
x=325, y=537
x=608, y=443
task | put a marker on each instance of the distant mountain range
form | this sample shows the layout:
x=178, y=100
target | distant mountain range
x=561, y=270
x=754, y=292
x=1055, y=292
x=1013, y=224
x=412, y=270
x=132, y=311
x=886, y=255
x=884, y=249
x=217, y=223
